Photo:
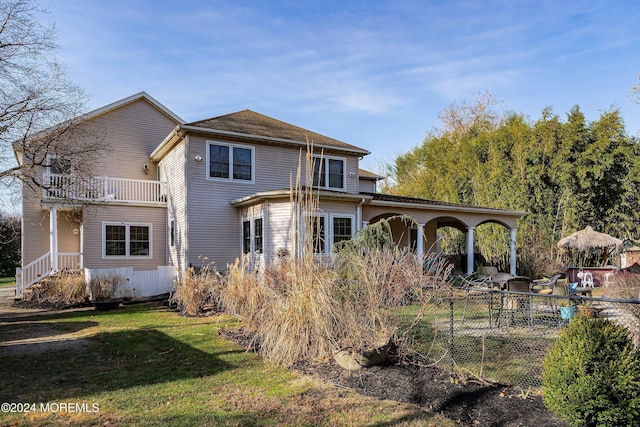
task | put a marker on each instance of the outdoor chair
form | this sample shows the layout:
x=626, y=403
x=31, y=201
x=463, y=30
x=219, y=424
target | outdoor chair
x=500, y=279
x=587, y=280
x=518, y=305
x=545, y=287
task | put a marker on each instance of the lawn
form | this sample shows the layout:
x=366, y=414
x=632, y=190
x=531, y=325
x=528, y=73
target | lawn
x=6, y=282
x=145, y=365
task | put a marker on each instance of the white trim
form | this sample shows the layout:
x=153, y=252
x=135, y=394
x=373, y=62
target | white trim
x=230, y=146
x=353, y=225
x=128, y=100
x=251, y=218
x=325, y=168
x=127, y=236
x=327, y=232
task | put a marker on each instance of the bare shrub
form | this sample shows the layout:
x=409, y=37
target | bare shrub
x=104, y=287
x=537, y=258
x=247, y=295
x=198, y=291
x=305, y=307
x=62, y=289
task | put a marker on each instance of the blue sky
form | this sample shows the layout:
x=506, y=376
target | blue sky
x=371, y=73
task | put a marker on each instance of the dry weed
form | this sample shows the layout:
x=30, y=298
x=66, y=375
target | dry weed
x=198, y=291
x=64, y=288
x=104, y=287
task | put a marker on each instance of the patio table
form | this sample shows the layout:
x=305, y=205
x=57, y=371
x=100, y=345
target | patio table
x=583, y=291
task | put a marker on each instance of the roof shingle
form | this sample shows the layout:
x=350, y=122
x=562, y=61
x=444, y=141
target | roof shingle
x=251, y=123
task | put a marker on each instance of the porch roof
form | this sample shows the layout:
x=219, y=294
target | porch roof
x=286, y=192
x=379, y=199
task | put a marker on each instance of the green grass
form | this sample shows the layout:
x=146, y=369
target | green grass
x=145, y=365
x=6, y=282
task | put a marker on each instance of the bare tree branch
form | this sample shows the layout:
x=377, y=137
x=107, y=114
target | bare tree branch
x=39, y=106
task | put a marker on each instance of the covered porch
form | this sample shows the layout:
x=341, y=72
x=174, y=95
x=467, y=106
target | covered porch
x=423, y=218
x=64, y=247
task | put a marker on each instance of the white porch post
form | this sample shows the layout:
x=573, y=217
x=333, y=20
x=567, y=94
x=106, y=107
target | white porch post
x=420, y=242
x=470, y=249
x=364, y=224
x=512, y=260
x=53, y=237
x=81, y=266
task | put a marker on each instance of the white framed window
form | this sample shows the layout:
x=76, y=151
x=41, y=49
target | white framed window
x=126, y=240
x=329, y=172
x=252, y=236
x=319, y=237
x=59, y=165
x=172, y=233
x=258, y=237
x=230, y=162
x=342, y=228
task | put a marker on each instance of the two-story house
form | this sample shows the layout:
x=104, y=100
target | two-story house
x=169, y=194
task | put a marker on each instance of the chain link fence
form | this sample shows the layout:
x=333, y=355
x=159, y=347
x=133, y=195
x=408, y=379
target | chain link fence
x=499, y=336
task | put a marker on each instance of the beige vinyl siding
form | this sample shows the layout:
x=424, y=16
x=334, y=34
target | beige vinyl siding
x=131, y=133
x=35, y=232
x=172, y=170
x=279, y=228
x=214, y=226
x=367, y=186
x=35, y=227
x=93, y=237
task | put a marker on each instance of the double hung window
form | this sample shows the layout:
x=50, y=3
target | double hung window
x=252, y=235
x=126, y=240
x=342, y=229
x=230, y=162
x=328, y=172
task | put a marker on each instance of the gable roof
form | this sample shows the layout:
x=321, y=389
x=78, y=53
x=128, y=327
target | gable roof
x=252, y=123
x=249, y=125
x=128, y=100
x=106, y=109
x=365, y=174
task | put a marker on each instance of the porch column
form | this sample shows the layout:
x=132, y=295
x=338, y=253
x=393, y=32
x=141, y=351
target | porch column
x=420, y=242
x=512, y=260
x=81, y=266
x=53, y=237
x=364, y=224
x=470, y=249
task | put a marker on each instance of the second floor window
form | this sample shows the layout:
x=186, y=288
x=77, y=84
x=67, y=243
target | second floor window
x=230, y=162
x=328, y=172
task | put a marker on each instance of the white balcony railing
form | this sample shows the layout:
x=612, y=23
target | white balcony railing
x=103, y=189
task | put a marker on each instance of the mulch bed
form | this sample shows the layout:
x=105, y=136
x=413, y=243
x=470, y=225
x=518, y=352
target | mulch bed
x=470, y=403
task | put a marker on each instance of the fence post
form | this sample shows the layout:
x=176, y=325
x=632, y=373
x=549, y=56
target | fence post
x=451, y=330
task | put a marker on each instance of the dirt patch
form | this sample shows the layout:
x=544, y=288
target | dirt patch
x=20, y=337
x=470, y=404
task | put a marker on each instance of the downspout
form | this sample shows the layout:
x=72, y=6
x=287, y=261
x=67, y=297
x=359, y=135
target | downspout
x=359, y=215
x=186, y=236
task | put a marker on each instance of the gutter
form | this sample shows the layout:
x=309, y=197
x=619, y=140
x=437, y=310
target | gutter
x=276, y=194
x=447, y=208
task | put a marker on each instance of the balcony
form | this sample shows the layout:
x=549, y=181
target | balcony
x=102, y=189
